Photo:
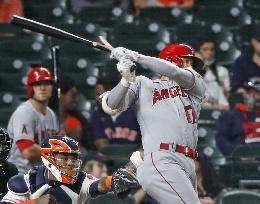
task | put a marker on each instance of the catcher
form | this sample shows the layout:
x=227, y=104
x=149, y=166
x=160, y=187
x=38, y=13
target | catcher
x=59, y=180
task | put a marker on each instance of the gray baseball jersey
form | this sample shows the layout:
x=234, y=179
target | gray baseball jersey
x=28, y=124
x=168, y=114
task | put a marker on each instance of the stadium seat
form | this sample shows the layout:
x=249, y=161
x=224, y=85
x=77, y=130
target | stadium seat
x=235, y=173
x=8, y=99
x=88, y=31
x=150, y=48
x=75, y=65
x=69, y=49
x=56, y=3
x=189, y=33
x=248, y=152
x=207, y=144
x=5, y=116
x=29, y=50
x=232, y=17
x=220, y=3
x=254, y=13
x=227, y=53
x=104, y=16
x=8, y=103
x=9, y=30
x=251, y=4
x=169, y=17
x=13, y=83
x=213, y=154
x=238, y=196
x=209, y=115
x=206, y=135
x=12, y=65
x=118, y=149
x=140, y=32
x=110, y=199
x=243, y=36
x=48, y=11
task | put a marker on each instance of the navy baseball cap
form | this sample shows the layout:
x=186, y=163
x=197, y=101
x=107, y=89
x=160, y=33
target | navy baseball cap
x=98, y=156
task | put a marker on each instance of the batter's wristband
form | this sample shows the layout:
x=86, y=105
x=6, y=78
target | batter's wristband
x=108, y=182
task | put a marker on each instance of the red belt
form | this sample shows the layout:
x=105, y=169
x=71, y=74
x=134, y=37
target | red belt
x=187, y=151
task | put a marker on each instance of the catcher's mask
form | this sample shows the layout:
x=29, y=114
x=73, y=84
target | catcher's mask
x=36, y=75
x=175, y=53
x=5, y=144
x=60, y=155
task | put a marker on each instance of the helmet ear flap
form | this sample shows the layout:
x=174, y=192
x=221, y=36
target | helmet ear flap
x=177, y=60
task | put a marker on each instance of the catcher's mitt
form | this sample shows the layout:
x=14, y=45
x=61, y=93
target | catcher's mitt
x=124, y=180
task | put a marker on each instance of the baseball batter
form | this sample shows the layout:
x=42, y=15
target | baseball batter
x=167, y=110
x=32, y=121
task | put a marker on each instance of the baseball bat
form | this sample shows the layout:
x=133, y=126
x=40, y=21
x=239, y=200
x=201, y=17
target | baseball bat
x=55, y=32
x=61, y=34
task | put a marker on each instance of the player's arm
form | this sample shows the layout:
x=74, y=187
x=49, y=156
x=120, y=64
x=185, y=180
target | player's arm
x=186, y=78
x=29, y=150
x=124, y=93
x=24, y=132
x=121, y=181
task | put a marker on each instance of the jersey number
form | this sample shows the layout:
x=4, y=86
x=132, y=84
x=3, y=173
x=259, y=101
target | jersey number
x=190, y=114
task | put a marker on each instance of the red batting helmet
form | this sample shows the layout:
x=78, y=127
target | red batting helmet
x=36, y=75
x=175, y=53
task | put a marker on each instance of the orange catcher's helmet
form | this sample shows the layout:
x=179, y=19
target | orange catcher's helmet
x=36, y=75
x=175, y=53
x=65, y=168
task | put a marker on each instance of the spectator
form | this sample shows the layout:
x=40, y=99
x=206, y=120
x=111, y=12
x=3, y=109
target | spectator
x=248, y=64
x=121, y=128
x=241, y=124
x=7, y=169
x=97, y=164
x=216, y=77
x=208, y=183
x=9, y=8
x=32, y=121
x=139, y=4
x=71, y=120
x=78, y=5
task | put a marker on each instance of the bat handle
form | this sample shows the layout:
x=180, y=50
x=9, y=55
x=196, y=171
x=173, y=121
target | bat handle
x=110, y=47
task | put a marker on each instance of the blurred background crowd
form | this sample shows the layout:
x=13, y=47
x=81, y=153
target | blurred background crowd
x=225, y=35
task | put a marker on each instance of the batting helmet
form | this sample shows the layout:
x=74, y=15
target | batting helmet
x=64, y=169
x=36, y=75
x=175, y=53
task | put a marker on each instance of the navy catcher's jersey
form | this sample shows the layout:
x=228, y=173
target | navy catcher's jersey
x=35, y=184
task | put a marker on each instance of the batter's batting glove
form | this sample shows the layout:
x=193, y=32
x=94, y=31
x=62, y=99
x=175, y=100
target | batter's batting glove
x=123, y=181
x=124, y=66
x=121, y=52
